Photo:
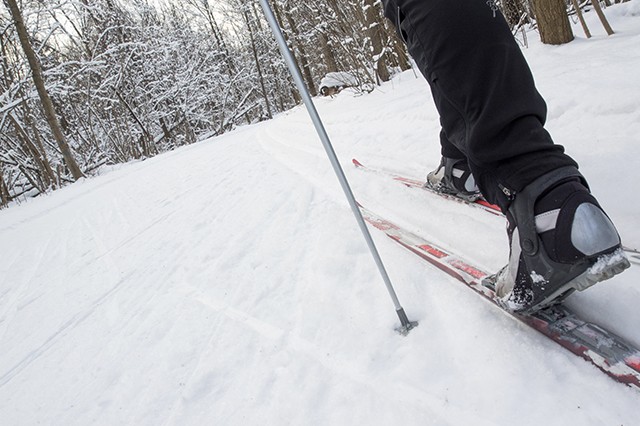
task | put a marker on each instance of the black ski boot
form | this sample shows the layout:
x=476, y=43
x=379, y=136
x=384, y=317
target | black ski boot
x=454, y=177
x=561, y=240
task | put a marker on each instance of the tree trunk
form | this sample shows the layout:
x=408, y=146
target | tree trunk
x=585, y=28
x=38, y=80
x=400, y=57
x=4, y=191
x=373, y=27
x=254, y=48
x=553, y=21
x=297, y=99
x=303, y=62
x=327, y=53
x=603, y=19
x=145, y=139
x=39, y=159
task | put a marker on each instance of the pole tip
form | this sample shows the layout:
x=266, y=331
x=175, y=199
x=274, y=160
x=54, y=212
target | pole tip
x=406, y=325
x=405, y=329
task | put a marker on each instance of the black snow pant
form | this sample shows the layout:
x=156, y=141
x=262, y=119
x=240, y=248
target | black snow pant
x=490, y=110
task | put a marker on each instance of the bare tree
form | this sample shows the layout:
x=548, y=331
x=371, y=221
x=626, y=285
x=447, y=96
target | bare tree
x=603, y=19
x=127, y=80
x=256, y=56
x=38, y=80
x=578, y=12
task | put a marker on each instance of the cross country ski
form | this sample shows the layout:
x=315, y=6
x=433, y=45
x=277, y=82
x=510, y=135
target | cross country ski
x=605, y=350
x=633, y=254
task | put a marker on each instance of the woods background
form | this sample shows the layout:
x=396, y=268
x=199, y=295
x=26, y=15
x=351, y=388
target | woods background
x=130, y=79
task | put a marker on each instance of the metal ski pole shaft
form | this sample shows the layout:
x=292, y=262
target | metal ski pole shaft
x=406, y=325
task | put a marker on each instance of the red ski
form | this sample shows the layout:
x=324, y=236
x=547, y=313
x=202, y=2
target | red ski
x=414, y=183
x=633, y=254
x=610, y=353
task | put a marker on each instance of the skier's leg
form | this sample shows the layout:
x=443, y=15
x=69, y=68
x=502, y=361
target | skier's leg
x=491, y=111
x=483, y=88
x=453, y=174
x=448, y=149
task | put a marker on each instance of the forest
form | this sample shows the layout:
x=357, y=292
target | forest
x=93, y=83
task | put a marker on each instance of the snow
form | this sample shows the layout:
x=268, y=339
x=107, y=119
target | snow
x=227, y=283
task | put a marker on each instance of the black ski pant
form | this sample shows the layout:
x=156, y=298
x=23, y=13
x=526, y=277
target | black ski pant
x=490, y=110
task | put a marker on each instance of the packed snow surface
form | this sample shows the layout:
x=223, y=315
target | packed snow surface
x=226, y=283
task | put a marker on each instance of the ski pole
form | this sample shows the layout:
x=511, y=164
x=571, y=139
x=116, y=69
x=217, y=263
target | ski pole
x=406, y=325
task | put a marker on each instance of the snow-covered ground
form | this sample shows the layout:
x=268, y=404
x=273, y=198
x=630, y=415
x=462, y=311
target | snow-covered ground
x=226, y=283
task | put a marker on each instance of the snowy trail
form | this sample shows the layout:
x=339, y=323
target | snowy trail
x=227, y=283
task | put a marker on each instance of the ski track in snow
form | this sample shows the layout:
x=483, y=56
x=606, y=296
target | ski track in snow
x=51, y=340
x=227, y=283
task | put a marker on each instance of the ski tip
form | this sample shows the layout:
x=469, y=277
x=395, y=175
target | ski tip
x=357, y=163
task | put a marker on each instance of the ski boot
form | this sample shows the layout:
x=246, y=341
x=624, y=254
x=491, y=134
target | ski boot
x=454, y=177
x=561, y=241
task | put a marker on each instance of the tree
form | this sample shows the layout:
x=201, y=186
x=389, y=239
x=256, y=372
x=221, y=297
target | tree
x=130, y=79
x=515, y=12
x=374, y=28
x=603, y=19
x=553, y=21
x=38, y=80
x=4, y=191
x=256, y=56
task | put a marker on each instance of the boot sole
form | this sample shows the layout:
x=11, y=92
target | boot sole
x=605, y=267
x=471, y=198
